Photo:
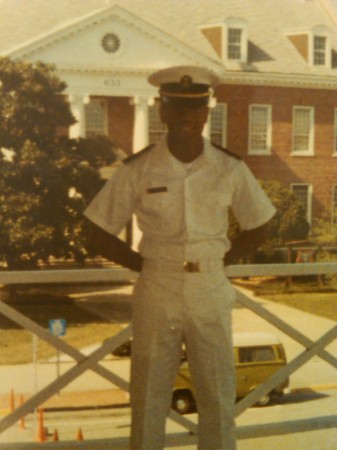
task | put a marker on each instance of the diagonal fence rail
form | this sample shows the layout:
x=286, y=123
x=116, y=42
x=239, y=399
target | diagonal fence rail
x=84, y=363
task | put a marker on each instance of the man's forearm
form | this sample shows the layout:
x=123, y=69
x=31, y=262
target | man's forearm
x=246, y=243
x=242, y=246
x=119, y=252
x=112, y=248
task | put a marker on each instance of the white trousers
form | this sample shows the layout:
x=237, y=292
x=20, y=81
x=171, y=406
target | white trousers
x=169, y=309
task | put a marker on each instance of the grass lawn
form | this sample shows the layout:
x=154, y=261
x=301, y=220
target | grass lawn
x=304, y=295
x=16, y=344
x=323, y=304
x=83, y=327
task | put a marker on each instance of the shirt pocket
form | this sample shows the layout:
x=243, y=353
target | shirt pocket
x=158, y=210
x=155, y=201
x=210, y=215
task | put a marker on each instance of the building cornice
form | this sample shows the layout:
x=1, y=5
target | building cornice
x=227, y=77
x=105, y=71
x=279, y=80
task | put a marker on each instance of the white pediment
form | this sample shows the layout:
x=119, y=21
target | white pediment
x=78, y=46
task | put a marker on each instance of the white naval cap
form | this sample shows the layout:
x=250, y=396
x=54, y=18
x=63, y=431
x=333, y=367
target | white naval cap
x=185, y=83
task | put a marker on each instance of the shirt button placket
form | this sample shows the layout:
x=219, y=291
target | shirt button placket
x=187, y=205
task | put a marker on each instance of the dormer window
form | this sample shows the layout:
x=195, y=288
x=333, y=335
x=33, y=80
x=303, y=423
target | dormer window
x=319, y=51
x=234, y=44
x=320, y=47
x=229, y=39
x=314, y=46
x=235, y=40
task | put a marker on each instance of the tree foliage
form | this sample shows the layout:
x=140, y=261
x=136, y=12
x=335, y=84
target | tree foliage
x=45, y=179
x=324, y=232
x=289, y=222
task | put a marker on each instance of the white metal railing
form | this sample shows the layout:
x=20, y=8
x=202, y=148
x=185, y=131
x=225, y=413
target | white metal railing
x=119, y=274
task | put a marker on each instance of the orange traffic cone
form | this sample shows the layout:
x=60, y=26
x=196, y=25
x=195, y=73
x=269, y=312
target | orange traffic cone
x=41, y=435
x=22, y=420
x=79, y=435
x=55, y=436
x=12, y=401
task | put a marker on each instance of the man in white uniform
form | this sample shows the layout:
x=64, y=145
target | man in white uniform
x=180, y=190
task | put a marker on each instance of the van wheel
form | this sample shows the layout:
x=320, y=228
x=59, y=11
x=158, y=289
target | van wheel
x=183, y=402
x=264, y=401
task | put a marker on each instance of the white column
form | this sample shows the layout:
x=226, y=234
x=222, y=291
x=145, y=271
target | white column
x=207, y=128
x=141, y=124
x=140, y=141
x=206, y=132
x=77, y=103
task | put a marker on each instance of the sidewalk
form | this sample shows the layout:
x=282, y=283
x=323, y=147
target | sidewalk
x=297, y=424
x=72, y=400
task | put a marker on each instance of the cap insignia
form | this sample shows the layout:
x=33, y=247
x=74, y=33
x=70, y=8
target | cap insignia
x=186, y=81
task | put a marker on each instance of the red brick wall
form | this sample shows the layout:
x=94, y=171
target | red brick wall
x=320, y=170
x=121, y=121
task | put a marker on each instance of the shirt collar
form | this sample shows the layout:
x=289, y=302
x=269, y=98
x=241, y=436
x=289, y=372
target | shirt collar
x=164, y=162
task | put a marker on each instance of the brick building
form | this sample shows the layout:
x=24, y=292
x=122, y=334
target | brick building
x=276, y=106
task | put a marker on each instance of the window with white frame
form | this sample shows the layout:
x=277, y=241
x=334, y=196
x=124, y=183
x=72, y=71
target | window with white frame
x=303, y=193
x=156, y=128
x=303, y=130
x=319, y=50
x=260, y=125
x=218, y=124
x=320, y=43
x=235, y=45
x=334, y=204
x=96, y=117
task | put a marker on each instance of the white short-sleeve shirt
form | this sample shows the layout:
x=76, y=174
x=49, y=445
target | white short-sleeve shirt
x=182, y=211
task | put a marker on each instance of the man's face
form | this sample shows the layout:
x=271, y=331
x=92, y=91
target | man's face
x=184, y=120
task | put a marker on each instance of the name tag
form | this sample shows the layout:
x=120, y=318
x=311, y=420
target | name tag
x=154, y=190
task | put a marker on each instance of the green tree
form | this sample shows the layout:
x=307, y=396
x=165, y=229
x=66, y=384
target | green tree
x=324, y=233
x=45, y=179
x=289, y=222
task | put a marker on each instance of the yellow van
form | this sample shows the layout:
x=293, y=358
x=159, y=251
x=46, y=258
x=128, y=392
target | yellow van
x=257, y=357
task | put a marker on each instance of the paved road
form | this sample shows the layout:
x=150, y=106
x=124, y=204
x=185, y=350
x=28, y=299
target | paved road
x=300, y=422
x=315, y=374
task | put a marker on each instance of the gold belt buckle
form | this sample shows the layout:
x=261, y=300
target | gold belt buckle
x=190, y=266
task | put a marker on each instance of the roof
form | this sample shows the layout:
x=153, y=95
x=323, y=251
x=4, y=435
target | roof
x=268, y=21
x=254, y=338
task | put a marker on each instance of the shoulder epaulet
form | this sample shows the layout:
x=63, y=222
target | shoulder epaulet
x=137, y=155
x=223, y=149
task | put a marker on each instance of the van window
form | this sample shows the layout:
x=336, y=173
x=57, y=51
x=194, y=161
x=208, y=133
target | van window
x=254, y=354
